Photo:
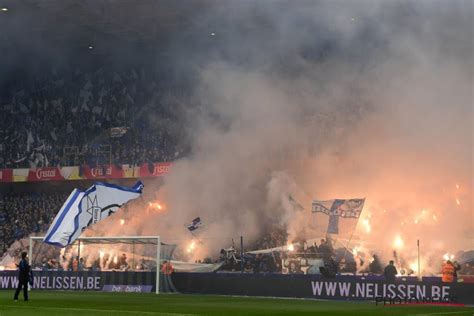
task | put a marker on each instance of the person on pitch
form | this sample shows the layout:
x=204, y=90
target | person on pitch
x=23, y=277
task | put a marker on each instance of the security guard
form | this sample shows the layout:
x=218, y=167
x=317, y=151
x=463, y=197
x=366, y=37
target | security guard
x=23, y=277
x=167, y=268
x=447, y=272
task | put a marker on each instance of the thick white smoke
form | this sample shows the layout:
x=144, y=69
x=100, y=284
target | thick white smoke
x=328, y=101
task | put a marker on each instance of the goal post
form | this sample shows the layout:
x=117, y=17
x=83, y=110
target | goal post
x=108, y=240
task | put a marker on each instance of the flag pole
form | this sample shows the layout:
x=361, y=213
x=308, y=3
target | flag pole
x=241, y=254
x=349, y=241
x=418, y=247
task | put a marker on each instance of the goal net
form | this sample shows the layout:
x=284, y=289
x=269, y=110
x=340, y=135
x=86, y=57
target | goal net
x=119, y=263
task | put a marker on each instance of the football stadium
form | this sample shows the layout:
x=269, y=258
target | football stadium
x=239, y=157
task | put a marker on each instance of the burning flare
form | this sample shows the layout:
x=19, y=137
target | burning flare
x=398, y=242
x=448, y=256
x=156, y=205
x=191, y=246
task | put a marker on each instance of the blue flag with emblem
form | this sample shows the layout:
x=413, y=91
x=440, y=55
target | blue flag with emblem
x=346, y=208
x=85, y=208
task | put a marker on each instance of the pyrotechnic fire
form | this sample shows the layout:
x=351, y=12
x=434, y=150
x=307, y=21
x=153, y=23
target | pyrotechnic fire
x=366, y=224
x=398, y=242
x=115, y=259
x=355, y=251
x=458, y=202
x=448, y=256
x=155, y=205
x=290, y=247
x=122, y=221
x=191, y=246
x=2, y=268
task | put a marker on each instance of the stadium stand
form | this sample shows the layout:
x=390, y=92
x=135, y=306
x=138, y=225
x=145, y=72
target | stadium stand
x=24, y=213
x=75, y=118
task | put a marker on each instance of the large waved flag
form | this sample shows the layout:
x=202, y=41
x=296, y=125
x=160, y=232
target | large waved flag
x=85, y=208
x=351, y=208
x=343, y=208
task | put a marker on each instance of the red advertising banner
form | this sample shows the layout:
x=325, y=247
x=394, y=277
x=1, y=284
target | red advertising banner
x=85, y=172
x=6, y=175
x=45, y=174
x=102, y=172
x=156, y=170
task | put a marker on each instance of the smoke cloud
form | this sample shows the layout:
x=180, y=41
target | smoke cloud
x=323, y=100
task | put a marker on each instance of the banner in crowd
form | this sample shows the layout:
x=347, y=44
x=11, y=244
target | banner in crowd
x=103, y=172
x=44, y=174
x=108, y=171
x=6, y=175
x=154, y=170
x=350, y=208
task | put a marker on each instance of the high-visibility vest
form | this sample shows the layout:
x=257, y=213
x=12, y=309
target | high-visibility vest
x=447, y=273
x=167, y=268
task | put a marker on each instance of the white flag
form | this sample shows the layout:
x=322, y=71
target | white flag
x=339, y=207
x=83, y=209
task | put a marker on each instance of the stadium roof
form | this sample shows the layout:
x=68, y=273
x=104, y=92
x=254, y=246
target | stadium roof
x=89, y=24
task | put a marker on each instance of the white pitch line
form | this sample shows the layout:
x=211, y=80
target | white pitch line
x=98, y=310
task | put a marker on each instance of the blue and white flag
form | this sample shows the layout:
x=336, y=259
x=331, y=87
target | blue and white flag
x=194, y=225
x=338, y=208
x=333, y=225
x=85, y=208
x=350, y=208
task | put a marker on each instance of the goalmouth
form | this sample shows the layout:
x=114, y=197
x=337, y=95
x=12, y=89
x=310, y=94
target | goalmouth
x=109, y=240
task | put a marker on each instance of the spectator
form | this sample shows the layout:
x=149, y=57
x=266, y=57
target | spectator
x=43, y=126
x=390, y=272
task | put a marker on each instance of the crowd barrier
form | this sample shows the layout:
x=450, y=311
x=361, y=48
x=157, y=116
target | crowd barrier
x=318, y=287
x=110, y=281
x=248, y=284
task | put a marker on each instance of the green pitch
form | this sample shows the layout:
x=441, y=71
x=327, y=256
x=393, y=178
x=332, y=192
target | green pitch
x=117, y=304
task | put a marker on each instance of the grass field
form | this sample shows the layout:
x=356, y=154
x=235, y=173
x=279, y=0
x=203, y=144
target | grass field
x=100, y=303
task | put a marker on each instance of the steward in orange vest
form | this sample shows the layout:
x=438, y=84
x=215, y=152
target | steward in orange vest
x=447, y=272
x=167, y=268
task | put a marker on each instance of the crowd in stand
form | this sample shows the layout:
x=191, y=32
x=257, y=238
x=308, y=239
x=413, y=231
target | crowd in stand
x=74, y=117
x=23, y=214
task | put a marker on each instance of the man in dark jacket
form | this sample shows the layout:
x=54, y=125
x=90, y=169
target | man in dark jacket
x=390, y=272
x=23, y=277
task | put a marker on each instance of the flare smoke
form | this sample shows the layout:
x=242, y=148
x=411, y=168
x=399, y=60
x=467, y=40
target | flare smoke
x=324, y=100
